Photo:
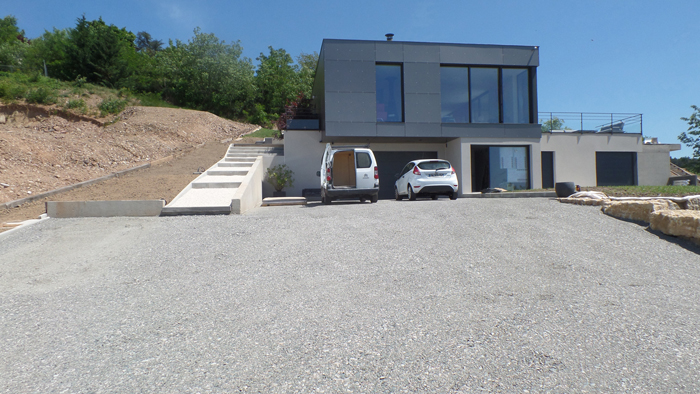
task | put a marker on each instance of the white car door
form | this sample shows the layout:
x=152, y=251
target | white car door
x=402, y=182
x=364, y=169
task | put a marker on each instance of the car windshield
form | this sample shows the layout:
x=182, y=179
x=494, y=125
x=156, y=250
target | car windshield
x=434, y=165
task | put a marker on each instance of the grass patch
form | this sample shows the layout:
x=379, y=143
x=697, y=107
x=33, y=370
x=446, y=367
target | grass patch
x=646, y=191
x=263, y=133
x=112, y=106
x=153, y=100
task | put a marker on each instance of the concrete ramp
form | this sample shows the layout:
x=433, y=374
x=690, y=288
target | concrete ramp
x=233, y=185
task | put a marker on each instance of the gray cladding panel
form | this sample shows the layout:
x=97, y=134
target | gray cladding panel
x=338, y=50
x=521, y=57
x=347, y=129
x=421, y=53
x=351, y=107
x=423, y=130
x=389, y=52
x=391, y=130
x=422, y=108
x=421, y=78
x=455, y=130
x=350, y=76
x=452, y=54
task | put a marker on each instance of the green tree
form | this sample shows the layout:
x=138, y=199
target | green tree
x=146, y=44
x=49, y=48
x=12, y=44
x=276, y=80
x=553, y=124
x=692, y=137
x=208, y=74
x=99, y=52
x=307, y=72
x=9, y=32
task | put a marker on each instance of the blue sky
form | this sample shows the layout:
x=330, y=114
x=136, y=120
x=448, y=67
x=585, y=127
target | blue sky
x=637, y=56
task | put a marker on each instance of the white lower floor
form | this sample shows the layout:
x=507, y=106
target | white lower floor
x=587, y=159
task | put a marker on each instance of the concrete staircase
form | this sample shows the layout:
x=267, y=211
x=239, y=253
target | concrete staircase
x=233, y=185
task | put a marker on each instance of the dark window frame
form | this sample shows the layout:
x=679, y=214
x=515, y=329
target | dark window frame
x=500, y=69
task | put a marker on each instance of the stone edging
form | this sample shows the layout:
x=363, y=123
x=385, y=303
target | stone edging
x=676, y=216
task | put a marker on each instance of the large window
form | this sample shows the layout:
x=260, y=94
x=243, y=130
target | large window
x=505, y=167
x=389, y=93
x=516, y=97
x=454, y=93
x=484, y=94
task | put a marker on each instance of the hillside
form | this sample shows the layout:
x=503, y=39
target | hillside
x=43, y=148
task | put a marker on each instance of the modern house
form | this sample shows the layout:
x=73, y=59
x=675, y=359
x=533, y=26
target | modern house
x=474, y=105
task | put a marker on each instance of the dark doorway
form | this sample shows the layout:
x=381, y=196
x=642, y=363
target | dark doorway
x=547, y=170
x=616, y=168
x=390, y=163
x=480, y=168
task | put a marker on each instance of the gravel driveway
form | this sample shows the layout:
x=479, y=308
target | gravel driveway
x=494, y=295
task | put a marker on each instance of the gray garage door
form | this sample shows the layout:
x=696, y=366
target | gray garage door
x=390, y=163
x=616, y=168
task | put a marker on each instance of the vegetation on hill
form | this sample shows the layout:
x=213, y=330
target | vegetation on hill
x=204, y=73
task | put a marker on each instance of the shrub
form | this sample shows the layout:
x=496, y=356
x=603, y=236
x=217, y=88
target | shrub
x=41, y=96
x=280, y=176
x=77, y=103
x=112, y=106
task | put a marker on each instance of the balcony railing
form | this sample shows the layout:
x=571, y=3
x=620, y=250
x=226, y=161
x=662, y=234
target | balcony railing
x=590, y=122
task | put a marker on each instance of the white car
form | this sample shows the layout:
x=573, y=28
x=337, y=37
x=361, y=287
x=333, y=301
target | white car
x=433, y=177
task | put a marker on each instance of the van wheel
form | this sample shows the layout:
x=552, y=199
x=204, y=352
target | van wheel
x=373, y=199
x=434, y=196
x=325, y=199
x=363, y=200
x=411, y=194
x=454, y=196
x=397, y=196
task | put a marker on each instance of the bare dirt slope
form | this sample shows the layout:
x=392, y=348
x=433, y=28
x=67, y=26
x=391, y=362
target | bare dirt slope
x=41, y=152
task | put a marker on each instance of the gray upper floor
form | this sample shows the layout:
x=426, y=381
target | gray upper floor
x=409, y=90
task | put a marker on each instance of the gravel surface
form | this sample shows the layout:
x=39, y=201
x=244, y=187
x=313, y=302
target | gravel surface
x=493, y=295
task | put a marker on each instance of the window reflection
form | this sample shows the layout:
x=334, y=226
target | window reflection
x=516, y=103
x=484, y=95
x=389, y=93
x=454, y=94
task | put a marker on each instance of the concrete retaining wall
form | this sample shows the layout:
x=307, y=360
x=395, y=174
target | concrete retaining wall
x=81, y=209
x=249, y=193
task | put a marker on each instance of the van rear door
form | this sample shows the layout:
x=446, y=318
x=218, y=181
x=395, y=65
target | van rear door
x=364, y=169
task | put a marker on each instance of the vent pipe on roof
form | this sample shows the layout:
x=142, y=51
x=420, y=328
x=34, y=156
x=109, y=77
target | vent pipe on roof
x=389, y=36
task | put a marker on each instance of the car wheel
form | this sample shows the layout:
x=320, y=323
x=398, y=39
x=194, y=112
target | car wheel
x=397, y=196
x=411, y=194
x=454, y=196
x=434, y=196
x=373, y=199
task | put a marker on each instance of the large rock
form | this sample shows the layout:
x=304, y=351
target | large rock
x=638, y=210
x=684, y=223
x=693, y=203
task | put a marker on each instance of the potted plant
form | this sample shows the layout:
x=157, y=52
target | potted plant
x=280, y=176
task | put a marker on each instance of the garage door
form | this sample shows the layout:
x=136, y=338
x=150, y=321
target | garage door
x=616, y=168
x=390, y=163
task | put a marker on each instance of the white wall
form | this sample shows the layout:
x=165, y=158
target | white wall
x=303, y=154
x=653, y=164
x=574, y=153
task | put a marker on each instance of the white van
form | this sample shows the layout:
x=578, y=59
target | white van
x=349, y=172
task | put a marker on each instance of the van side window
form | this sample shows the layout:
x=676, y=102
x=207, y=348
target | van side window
x=363, y=160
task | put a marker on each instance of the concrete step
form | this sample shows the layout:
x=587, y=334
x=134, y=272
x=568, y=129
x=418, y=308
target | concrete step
x=241, y=172
x=240, y=159
x=234, y=165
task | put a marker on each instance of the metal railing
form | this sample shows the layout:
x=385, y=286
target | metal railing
x=590, y=122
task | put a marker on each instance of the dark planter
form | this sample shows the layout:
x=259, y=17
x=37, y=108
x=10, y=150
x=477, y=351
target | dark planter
x=279, y=194
x=564, y=189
